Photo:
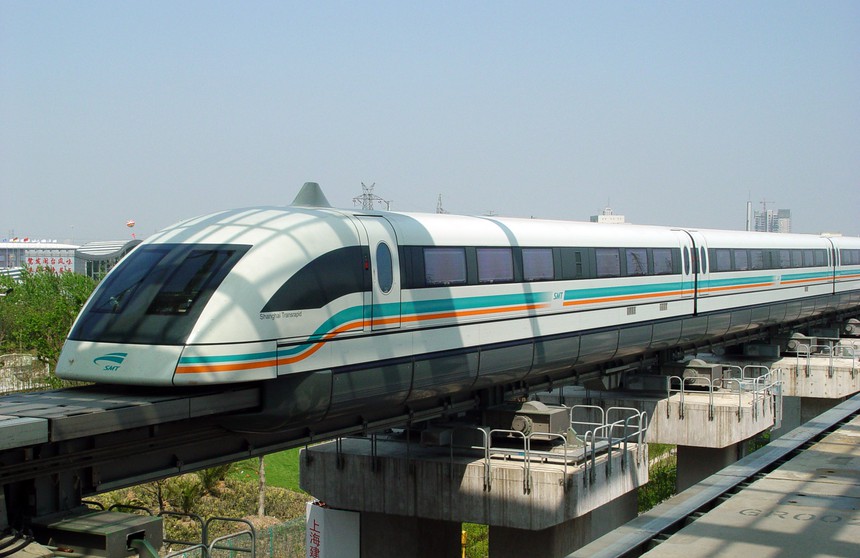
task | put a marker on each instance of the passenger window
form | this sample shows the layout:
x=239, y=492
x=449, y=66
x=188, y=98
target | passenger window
x=742, y=260
x=703, y=259
x=686, y=260
x=608, y=262
x=756, y=259
x=784, y=258
x=721, y=260
x=537, y=264
x=444, y=266
x=384, y=268
x=495, y=265
x=663, y=261
x=637, y=261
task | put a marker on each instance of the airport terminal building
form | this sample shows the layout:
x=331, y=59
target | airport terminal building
x=94, y=259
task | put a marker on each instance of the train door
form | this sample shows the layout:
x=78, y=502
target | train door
x=384, y=305
x=695, y=266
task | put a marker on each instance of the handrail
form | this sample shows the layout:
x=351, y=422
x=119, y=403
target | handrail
x=597, y=408
x=605, y=436
x=837, y=350
x=526, y=457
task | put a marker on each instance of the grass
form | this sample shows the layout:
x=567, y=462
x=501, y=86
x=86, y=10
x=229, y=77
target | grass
x=282, y=470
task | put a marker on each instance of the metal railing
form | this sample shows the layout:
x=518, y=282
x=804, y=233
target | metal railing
x=575, y=449
x=758, y=382
x=605, y=437
x=805, y=353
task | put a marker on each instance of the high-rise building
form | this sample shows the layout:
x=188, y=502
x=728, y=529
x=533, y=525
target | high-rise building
x=772, y=220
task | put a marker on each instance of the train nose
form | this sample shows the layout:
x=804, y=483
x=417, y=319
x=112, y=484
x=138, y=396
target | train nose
x=115, y=363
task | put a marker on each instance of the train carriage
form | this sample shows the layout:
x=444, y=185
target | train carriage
x=353, y=309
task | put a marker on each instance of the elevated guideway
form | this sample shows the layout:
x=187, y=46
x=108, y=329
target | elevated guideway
x=56, y=447
x=59, y=446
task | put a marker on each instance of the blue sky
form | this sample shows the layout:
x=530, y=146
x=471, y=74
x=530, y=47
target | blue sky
x=674, y=113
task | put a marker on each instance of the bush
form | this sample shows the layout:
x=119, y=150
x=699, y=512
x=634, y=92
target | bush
x=661, y=484
x=229, y=498
x=37, y=312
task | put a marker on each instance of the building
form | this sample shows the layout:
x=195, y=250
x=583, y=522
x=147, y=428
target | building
x=772, y=220
x=607, y=217
x=35, y=254
x=93, y=260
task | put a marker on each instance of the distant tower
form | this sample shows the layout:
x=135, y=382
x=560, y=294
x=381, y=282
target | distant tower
x=439, y=205
x=367, y=199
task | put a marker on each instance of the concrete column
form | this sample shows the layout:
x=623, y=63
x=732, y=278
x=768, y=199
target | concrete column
x=811, y=407
x=562, y=539
x=408, y=537
x=696, y=464
x=790, y=416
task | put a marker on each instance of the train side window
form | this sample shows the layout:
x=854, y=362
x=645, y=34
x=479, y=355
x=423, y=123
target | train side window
x=796, y=258
x=444, y=266
x=637, y=261
x=756, y=259
x=538, y=264
x=495, y=265
x=821, y=258
x=742, y=260
x=384, y=267
x=572, y=264
x=721, y=259
x=686, y=258
x=664, y=263
x=784, y=258
x=703, y=259
x=608, y=262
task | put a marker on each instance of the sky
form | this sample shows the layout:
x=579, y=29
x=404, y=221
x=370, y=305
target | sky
x=672, y=113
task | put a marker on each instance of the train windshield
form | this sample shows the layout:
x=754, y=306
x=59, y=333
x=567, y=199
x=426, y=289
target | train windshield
x=156, y=294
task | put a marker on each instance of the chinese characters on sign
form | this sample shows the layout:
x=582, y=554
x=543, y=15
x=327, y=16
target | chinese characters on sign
x=58, y=261
x=331, y=533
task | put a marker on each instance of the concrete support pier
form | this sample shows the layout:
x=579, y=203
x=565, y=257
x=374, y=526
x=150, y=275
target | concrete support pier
x=566, y=537
x=696, y=463
x=413, y=499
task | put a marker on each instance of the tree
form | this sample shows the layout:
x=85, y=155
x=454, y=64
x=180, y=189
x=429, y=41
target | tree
x=261, y=494
x=37, y=311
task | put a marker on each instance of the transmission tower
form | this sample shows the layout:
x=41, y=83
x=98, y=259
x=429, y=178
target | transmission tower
x=367, y=199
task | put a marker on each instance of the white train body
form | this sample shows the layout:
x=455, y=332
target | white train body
x=395, y=308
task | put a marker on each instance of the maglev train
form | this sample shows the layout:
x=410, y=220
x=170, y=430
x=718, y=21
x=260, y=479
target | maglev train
x=348, y=311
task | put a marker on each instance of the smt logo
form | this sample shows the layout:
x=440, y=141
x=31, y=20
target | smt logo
x=110, y=361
